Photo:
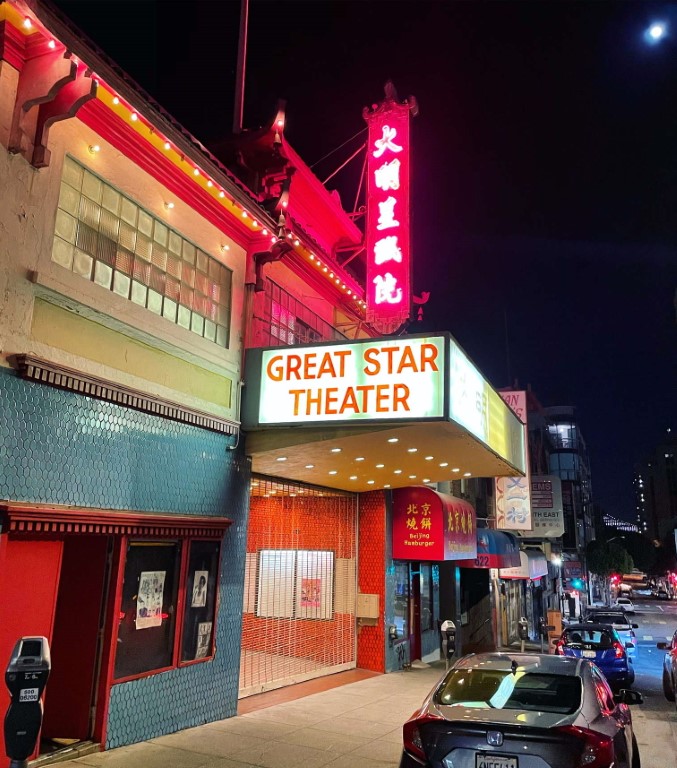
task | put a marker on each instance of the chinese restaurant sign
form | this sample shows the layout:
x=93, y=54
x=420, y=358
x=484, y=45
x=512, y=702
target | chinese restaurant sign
x=396, y=379
x=432, y=526
x=387, y=222
x=513, y=494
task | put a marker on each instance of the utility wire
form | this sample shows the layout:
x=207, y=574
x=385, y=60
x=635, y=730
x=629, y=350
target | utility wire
x=329, y=154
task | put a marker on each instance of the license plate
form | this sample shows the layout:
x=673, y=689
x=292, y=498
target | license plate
x=495, y=761
x=589, y=654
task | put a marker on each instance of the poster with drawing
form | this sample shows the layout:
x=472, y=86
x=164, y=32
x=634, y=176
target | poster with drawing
x=200, y=579
x=204, y=636
x=149, y=599
x=311, y=593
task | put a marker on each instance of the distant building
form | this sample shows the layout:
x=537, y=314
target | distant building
x=569, y=461
x=656, y=489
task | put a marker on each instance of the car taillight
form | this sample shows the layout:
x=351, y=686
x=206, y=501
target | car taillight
x=412, y=735
x=619, y=650
x=559, y=648
x=598, y=749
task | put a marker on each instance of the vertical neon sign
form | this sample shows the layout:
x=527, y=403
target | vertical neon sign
x=387, y=228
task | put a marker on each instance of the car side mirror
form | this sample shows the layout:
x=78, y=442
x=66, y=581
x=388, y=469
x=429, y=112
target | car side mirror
x=663, y=646
x=635, y=626
x=626, y=696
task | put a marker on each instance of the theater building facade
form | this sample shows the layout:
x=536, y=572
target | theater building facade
x=183, y=552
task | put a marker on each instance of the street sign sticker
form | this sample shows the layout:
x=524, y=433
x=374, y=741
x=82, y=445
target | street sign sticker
x=28, y=694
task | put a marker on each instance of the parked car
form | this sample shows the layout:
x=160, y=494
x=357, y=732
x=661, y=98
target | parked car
x=504, y=710
x=663, y=594
x=601, y=644
x=669, y=668
x=625, y=604
x=620, y=622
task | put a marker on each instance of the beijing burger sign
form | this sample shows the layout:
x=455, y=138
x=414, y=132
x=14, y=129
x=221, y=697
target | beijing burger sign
x=393, y=379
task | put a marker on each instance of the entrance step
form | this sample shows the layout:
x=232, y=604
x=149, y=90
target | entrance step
x=69, y=752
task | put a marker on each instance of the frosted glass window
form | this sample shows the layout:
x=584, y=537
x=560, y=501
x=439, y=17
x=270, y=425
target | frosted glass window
x=107, y=238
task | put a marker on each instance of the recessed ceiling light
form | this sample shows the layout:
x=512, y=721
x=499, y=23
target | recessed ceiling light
x=359, y=458
x=398, y=472
x=310, y=466
x=429, y=458
x=387, y=485
x=336, y=450
x=370, y=482
x=281, y=458
x=353, y=477
x=412, y=477
x=466, y=474
x=455, y=469
x=333, y=472
x=292, y=494
x=426, y=479
x=444, y=464
x=393, y=439
x=255, y=482
x=412, y=450
x=380, y=466
x=273, y=492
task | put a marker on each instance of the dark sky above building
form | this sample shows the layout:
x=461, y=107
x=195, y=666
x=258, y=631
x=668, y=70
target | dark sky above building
x=545, y=172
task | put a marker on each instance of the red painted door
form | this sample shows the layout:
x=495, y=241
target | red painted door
x=69, y=696
x=29, y=580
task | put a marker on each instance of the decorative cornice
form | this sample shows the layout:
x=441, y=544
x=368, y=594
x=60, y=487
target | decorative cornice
x=55, y=375
x=55, y=520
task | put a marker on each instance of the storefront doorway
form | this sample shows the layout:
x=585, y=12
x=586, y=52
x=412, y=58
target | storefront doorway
x=70, y=699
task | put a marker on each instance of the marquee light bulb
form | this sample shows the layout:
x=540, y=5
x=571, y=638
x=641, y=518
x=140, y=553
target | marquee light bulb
x=222, y=193
x=28, y=23
x=244, y=214
x=167, y=145
x=116, y=100
x=169, y=205
x=133, y=117
x=210, y=183
x=51, y=44
x=264, y=231
x=296, y=242
x=196, y=171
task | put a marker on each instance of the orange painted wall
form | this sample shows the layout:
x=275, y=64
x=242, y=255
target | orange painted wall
x=371, y=577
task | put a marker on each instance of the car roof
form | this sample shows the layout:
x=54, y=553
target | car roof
x=547, y=664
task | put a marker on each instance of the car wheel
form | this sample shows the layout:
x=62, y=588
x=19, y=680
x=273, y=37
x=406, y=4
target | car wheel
x=635, y=754
x=667, y=687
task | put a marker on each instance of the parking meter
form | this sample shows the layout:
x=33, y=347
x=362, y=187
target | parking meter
x=26, y=677
x=448, y=630
x=523, y=631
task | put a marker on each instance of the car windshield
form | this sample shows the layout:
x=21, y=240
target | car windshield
x=597, y=639
x=503, y=689
x=617, y=619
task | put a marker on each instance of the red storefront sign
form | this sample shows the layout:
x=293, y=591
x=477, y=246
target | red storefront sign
x=428, y=525
x=387, y=225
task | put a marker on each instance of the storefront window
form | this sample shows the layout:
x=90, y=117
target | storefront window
x=295, y=584
x=426, y=596
x=148, y=609
x=402, y=598
x=197, y=637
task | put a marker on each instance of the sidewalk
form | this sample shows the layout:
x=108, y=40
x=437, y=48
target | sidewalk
x=356, y=725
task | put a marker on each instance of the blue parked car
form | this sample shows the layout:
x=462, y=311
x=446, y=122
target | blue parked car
x=601, y=644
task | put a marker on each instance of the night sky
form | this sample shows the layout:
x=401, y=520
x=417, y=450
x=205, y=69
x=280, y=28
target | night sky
x=545, y=172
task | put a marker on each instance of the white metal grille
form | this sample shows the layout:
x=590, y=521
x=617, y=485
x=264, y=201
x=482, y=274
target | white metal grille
x=299, y=597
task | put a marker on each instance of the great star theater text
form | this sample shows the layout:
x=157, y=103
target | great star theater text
x=384, y=393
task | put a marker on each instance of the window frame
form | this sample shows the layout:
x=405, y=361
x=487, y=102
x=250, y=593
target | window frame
x=177, y=640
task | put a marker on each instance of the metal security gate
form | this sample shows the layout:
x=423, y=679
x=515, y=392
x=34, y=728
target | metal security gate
x=299, y=591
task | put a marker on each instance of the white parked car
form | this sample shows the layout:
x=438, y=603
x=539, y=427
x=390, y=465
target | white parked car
x=624, y=604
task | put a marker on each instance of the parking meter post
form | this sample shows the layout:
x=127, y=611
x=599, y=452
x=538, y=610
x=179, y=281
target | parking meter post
x=26, y=676
x=448, y=631
x=522, y=632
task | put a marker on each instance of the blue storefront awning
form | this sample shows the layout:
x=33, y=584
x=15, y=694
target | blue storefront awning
x=495, y=549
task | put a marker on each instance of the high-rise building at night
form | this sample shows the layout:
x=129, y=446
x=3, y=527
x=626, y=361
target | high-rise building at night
x=655, y=485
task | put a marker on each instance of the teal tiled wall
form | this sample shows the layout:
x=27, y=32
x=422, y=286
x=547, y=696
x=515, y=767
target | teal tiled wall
x=59, y=447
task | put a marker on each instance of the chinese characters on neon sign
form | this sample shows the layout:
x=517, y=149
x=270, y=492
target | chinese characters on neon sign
x=387, y=228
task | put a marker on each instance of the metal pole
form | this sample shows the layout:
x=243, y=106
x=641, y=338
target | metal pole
x=238, y=106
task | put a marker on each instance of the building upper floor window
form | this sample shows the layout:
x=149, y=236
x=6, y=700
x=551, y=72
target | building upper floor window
x=106, y=237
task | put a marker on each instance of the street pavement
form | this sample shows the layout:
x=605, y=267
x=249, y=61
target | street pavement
x=359, y=725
